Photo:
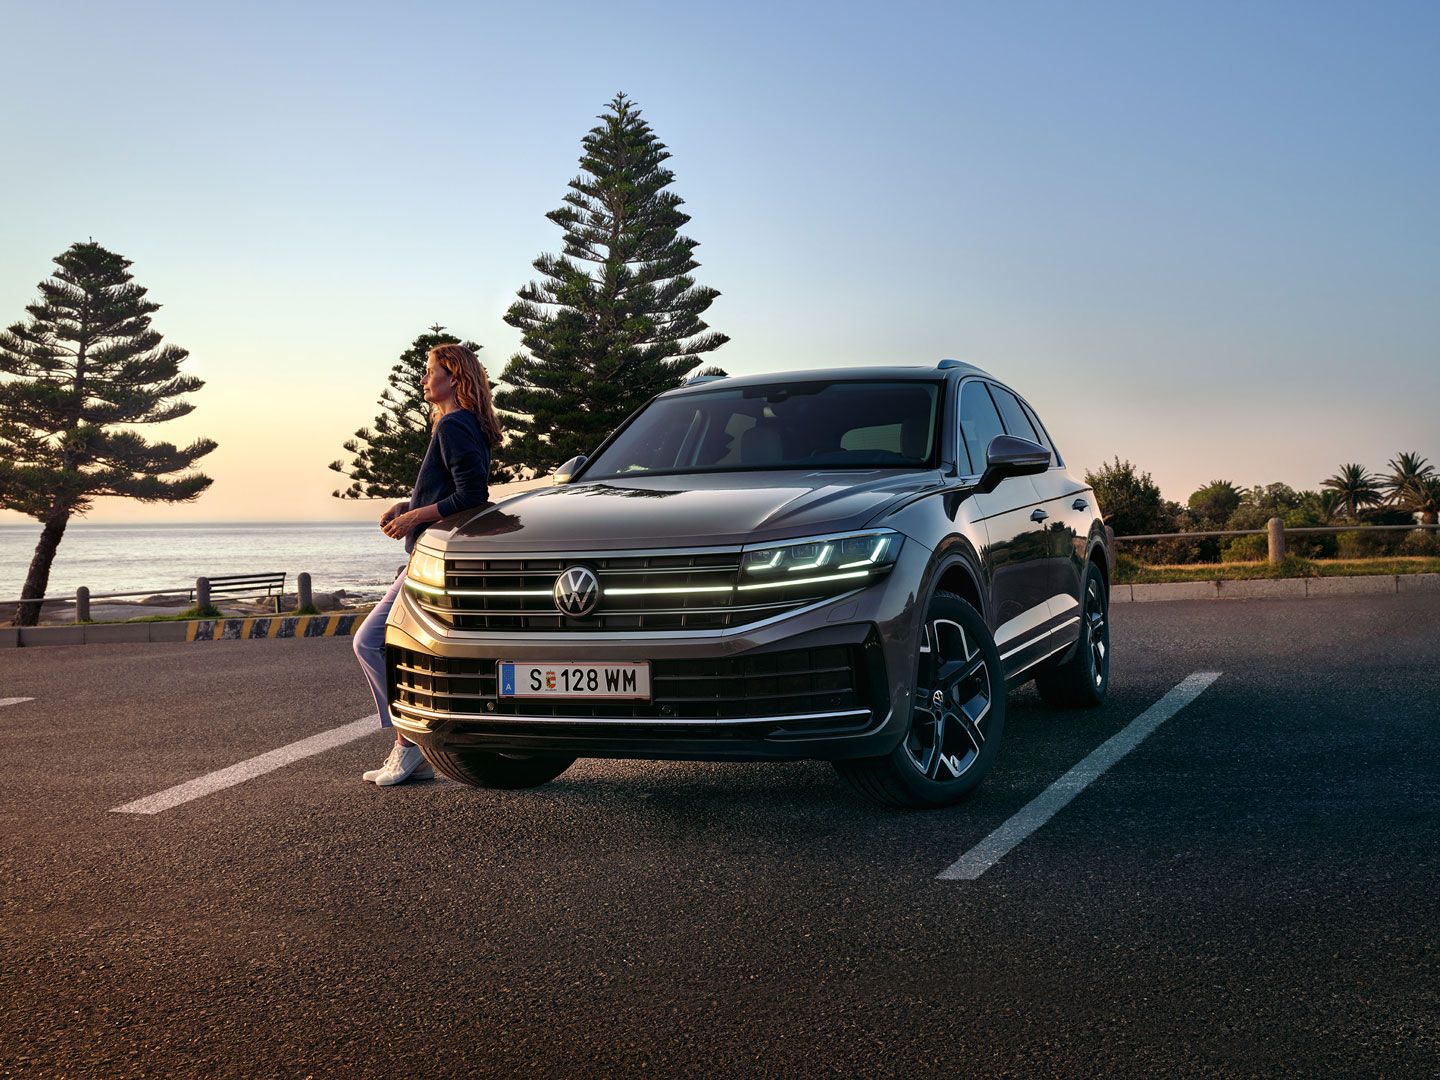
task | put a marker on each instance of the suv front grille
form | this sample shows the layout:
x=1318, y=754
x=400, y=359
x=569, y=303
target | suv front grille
x=796, y=682
x=693, y=591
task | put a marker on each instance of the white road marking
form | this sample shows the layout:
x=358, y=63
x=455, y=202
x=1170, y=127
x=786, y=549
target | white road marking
x=253, y=767
x=14, y=700
x=1054, y=798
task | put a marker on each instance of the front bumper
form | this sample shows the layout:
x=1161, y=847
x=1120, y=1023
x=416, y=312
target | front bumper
x=826, y=682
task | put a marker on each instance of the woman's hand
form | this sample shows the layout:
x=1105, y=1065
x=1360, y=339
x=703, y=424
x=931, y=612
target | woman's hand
x=399, y=508
x=399, y=526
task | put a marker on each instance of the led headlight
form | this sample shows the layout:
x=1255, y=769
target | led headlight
x=846, y=561
x=426, y=572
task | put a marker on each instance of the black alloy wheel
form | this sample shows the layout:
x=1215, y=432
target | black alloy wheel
x=957, y=715
x=1082, y=679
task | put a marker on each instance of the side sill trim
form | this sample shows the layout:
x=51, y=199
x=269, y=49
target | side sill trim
x=1021, y=648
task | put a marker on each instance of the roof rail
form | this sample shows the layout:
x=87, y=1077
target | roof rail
x=696, y=380
x=947, y=364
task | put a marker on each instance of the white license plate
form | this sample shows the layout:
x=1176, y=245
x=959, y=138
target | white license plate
x=628, y=682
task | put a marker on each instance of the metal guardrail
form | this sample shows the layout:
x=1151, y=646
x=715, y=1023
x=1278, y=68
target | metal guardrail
x=201, y=591
x=1276, y=530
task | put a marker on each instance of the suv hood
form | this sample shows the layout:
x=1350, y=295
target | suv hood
x=690, y=510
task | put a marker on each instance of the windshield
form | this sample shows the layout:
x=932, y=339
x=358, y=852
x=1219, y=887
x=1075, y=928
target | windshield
x=796, y=425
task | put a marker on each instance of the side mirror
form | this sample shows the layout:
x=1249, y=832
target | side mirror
x=1008, y=456
x=565, y=472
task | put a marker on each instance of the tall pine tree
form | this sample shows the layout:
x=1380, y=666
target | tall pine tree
x=388, y=455
x=616, y=317
x=84, y=367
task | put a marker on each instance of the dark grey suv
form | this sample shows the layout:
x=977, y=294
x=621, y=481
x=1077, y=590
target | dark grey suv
x=852, y=565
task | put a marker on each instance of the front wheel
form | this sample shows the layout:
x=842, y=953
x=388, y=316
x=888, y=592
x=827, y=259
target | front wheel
x=957, y=716
x=487, y=769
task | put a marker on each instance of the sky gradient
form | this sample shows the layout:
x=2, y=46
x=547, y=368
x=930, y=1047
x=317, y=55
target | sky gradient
x=1201, y=237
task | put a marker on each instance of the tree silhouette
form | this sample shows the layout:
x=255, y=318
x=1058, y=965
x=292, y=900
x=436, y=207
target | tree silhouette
x=84, y=363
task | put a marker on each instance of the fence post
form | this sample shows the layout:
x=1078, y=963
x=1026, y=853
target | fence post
x=202, y=593
x=1276, y=527
x=303, y=598
x=82, y=604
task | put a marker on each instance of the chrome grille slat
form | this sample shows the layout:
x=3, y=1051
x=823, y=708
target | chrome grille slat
x=657, y=611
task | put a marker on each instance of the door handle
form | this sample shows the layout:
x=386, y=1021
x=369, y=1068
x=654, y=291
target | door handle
x=1079, y=504
x=1038, y=515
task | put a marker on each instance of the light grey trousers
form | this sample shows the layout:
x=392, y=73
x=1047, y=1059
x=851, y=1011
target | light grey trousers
x=369, y=645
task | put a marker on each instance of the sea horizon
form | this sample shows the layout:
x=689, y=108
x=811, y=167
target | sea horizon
x=118, y=556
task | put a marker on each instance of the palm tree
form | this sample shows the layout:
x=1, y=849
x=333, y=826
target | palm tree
x=1406, y=471
x=1425, y=499
x=1356, y=488
x=1324, y=505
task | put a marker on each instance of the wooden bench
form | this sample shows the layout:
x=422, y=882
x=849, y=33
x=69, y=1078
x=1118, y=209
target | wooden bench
x=268, y=585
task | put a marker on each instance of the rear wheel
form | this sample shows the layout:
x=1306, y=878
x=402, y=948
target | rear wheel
x=957, y=716
x=1082, y=680
x=487, y=769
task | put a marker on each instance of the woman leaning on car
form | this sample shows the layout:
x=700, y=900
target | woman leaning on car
x=454, y=476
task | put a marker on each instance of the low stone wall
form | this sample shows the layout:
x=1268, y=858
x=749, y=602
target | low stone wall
x=1276, y=588
x=273, y=626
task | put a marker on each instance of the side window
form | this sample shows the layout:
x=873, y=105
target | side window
x=979, y=423
x=1016, y=422
x=1044, y=435
x=1017, y=419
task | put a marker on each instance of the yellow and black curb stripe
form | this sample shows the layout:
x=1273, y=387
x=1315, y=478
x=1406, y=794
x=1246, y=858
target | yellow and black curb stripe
x=273, y=626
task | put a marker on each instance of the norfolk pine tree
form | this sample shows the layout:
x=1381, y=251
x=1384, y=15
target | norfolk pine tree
x=388, y=455
x=86, y=362
x=615, y=319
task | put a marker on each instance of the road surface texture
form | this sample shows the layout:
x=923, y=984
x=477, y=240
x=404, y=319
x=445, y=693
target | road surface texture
x=1251, y=890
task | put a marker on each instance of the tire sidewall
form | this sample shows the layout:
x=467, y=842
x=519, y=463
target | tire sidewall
x=934, y=793
x=1098, y=689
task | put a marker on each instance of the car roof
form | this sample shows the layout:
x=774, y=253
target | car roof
x=869, y=373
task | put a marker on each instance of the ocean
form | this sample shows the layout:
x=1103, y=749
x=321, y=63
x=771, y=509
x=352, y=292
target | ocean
x=354, y=556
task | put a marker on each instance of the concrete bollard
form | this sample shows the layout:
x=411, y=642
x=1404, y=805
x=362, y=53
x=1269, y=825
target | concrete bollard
x=1276, y=527
x=202, y=593
x=303, y=598
x=82, y=604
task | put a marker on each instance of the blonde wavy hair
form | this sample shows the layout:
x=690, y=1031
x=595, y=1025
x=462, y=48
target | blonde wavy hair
x=472, y=389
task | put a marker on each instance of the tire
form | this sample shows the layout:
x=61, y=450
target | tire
x=486, y=769
x=957, y=669
x=1082, y=680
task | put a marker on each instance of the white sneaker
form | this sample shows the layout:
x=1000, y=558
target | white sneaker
x=404, y=763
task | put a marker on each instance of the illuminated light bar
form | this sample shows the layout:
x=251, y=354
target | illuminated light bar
x=820, y=560
x=672, y=591
x=774, y=561
x=879, y=549
x=805, y=581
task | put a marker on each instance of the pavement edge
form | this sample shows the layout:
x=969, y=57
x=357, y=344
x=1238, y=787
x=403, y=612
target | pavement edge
x=268, y=627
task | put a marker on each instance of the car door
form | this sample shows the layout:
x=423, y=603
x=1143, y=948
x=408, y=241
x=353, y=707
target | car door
x=1064, y=503
x=1015, y=548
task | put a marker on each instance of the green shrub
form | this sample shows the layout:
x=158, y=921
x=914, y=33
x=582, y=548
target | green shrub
x=1127, y=567
x=1246, y=549
x=1366, y=543
x=1420, y=542
x=1294, y=566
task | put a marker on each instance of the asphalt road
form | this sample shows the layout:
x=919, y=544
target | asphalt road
x=1253, y=890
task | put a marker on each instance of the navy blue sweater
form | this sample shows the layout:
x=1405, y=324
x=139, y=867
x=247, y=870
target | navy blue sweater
x=456, y=471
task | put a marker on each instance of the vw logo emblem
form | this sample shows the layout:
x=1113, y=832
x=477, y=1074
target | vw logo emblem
x=577, y=591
